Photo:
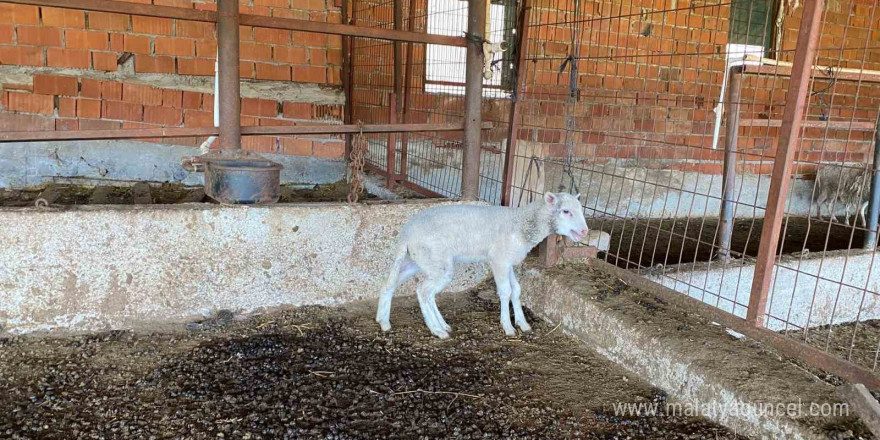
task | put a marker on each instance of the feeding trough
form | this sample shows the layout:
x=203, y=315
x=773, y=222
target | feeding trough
x=237, y=177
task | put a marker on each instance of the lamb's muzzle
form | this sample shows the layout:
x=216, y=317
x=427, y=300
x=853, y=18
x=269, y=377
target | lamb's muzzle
x=436, y=239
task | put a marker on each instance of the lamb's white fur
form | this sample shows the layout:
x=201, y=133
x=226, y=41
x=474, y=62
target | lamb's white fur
x=436, y=239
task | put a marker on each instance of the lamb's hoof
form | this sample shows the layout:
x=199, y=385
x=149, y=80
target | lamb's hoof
x=440, y=333
x=385, y=325
x=524, y=326
x=510, y=331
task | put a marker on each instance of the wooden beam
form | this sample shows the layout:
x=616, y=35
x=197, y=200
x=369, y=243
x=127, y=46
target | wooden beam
x=770, y=66
x=834, y=125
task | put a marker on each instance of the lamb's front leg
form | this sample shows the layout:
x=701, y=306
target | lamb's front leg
x=502, y=284
x=518, y=314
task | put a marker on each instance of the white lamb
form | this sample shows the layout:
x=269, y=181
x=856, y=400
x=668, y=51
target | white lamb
x=436, y=239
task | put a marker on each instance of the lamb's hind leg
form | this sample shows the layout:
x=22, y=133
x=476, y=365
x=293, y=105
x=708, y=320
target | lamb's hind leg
x=402, y=271
x=518, y=316
x=503, y=285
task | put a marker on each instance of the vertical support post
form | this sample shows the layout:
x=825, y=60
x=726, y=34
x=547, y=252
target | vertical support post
x=398, y=54
x=789, y=140
x=518, y=95
x=346, y=76
x=548, y=251
x=228, y=75
x=473, y=96
x=392, y=142
x=407, y=89
x=874, y=201
x=728, y=184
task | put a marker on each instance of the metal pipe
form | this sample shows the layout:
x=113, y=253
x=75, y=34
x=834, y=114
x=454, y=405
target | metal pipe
x=173, y=132
x=874, y=201
x=346, y=78
x=398, y=54
x=789, y=140
x=390, y=162
x=340, y=129
x=473, y=97
x=230, y=85
x=90, y=135
x=728, y=184
x=290, y=24
x=352, y=31
x=518, y=95
x=114, y=6
x=407, y=90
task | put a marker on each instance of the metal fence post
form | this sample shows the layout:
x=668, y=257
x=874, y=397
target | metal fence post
x=789, y=140
x=473, y=97
x=518, y=93
x=346, y=75
x=728, y=184
x=874, y=201
x=391, y=161
x=228, y=75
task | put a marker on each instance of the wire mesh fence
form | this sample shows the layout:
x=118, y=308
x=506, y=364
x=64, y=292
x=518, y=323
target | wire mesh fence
x=667, y=119
x=431, y=90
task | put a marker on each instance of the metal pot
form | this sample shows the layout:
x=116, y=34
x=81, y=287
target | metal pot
x=242, y=180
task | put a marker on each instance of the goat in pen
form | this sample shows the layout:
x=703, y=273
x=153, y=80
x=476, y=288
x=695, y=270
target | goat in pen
x=848, y=185
x=437, y=239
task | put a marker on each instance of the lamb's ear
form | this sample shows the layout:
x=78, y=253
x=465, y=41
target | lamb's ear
x=578, y=196
x=550, y=198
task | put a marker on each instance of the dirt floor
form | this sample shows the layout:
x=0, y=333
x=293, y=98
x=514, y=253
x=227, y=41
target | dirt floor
x=747, y=366
x=167, y=193
x=857, y=342
x=646, y=243
x=327, y=373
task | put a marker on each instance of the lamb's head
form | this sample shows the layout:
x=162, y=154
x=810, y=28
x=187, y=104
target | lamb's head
x=567, y=215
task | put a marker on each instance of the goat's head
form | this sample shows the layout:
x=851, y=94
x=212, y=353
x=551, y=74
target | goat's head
x=567, y=215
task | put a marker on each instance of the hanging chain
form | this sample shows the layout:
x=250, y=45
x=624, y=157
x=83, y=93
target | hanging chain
x=356, y=165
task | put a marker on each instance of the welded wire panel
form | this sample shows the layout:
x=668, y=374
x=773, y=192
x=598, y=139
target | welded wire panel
x=432, y=93
x=621, y=106
x=826, y=279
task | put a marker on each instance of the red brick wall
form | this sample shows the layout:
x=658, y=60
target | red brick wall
x=651, y=97
x=92, y=42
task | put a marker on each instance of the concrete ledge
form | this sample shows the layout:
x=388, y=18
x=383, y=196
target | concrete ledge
x=816, y=290
x=27, y=164
x=101, y=267
x=682, y=352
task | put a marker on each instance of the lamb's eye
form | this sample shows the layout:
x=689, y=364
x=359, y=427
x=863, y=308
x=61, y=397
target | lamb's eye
x=566, y=212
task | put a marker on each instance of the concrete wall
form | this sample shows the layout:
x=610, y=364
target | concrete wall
x=619, y=188
x=100, y=267
x=809, y=292
x=97, y=162
x=633, y=189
